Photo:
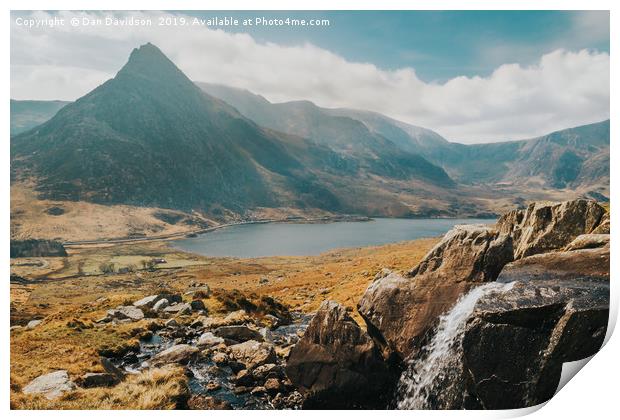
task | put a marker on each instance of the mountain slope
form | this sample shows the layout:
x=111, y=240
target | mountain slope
x=28, y=114
x=347, y=136
x=576, y=158
x=151, y=137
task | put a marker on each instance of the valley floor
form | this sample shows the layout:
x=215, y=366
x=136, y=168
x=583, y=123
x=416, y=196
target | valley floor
x=69, y=294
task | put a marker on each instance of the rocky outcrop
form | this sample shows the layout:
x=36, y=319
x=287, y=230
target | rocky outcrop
x=515, y=344
x=547, y=226
x=399, y=311
x=337, y=364
x=51, y=385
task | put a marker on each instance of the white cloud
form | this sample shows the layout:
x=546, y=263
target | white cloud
x=562, y=89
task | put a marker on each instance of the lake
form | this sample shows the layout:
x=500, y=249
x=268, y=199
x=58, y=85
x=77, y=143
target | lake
x=292, y=239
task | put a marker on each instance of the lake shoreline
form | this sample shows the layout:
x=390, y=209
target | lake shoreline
x=288, y=220
x=294, y=238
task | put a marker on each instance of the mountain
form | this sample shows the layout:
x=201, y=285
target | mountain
x=571, y=158
x=151, y=137
x=28, y=114
x=344, y=134
x=576, y=158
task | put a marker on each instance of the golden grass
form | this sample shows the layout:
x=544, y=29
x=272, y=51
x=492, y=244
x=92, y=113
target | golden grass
x=70, y=302
x=154, y=389
x=81, y=220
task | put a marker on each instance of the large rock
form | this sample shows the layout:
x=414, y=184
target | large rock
x=150, y=301
x=208, y=339
x=238, y=333
x=180, y=353
x=178, y=309
x=515, y=344
x=545, y=226
x=126, y=312
x=399, y=311
x=253, y=353
x=51, y=385
x=337, y=364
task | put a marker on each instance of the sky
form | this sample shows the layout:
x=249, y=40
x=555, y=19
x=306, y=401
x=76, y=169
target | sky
x=472, y=76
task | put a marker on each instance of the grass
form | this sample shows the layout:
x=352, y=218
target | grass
x=154, y=389
x=69, y=302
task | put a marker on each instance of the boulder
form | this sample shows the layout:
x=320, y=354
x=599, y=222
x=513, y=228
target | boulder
x=179, y=309
x=34, y=323
x=590, y=240
x=126, y=312
x=546, y=226
x=244, y=378
x=337, y=365
x=208, y=339
x=238, y=333
x=201, y=402
x=110, y=368
x=253, y=353
x=236, y=318
x=51, y=385
x=197, y=305
x=147, y=302
x=273, y=386
x=150, y=301
x=400, y=310
x=180, y=353
x=515, y=344
x=160, y=305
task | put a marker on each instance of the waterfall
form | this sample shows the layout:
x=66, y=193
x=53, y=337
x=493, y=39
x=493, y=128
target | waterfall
x=434, y=379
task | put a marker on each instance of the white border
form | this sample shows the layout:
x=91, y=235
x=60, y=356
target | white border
x=592, y=394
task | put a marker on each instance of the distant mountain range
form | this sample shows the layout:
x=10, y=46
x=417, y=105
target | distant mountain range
x=152, y=137
x=571, y=158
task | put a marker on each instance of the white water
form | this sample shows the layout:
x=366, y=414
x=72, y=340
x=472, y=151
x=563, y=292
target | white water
x=434, y=380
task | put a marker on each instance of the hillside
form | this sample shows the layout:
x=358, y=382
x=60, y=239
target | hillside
x=576, y=158
x=150, y=137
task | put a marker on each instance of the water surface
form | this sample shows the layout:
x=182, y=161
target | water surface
x=291, y=239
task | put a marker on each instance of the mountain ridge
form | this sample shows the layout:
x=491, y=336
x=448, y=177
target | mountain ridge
x=150, y=137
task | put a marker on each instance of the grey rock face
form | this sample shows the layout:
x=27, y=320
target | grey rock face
x=51, y=385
